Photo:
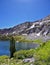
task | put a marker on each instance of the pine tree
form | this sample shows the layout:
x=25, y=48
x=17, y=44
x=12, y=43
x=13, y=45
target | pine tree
x=12, y=47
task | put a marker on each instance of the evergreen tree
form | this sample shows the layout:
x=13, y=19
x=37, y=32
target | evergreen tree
x=12, y=46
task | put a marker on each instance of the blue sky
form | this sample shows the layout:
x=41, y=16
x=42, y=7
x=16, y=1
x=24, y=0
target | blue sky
x=13, y=12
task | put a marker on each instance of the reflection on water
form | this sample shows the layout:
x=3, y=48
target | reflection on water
x=20, y=46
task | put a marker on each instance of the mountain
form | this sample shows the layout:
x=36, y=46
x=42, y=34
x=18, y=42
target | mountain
x=16, y=29
x=39, y=27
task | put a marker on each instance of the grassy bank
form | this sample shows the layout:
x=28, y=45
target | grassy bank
x=25, y=40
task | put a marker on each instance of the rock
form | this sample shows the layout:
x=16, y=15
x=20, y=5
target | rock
x=31, y=64
x=28, y=60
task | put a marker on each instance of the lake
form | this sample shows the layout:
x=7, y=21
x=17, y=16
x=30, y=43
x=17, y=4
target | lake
x=5, y=45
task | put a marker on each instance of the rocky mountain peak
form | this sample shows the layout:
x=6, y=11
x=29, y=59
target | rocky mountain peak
x=46, y=18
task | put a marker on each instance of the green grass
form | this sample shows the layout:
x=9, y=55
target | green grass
x=6, y=61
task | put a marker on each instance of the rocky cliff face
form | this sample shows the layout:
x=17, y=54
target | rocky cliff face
x=39, y=27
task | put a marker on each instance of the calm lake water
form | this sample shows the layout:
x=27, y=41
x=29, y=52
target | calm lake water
x=5, y=45
x=4, y=48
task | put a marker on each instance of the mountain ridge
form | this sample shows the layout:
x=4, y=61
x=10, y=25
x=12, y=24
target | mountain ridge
x=40, y=27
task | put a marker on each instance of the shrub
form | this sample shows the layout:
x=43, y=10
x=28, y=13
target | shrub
x=24, y=54
x=43, y=54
